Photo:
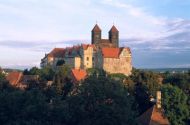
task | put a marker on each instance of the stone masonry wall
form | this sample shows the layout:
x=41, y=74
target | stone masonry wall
x=118, y=65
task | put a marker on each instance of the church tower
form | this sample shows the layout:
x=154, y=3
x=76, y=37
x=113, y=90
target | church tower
x=96, y=34
x=114, y=36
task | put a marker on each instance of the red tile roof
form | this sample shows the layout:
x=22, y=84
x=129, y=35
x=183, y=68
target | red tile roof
x=96, y=28
x=153, y=116
x=113, y=29
x=14, y=78
x=111, y=52
x=79, y=74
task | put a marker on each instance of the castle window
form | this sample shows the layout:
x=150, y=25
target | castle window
x=87, y=58
x=97, y=36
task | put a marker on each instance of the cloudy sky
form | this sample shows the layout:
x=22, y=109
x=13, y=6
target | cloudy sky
x=158, y=32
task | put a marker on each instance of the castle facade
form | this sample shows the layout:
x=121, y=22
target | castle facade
x=101, y=53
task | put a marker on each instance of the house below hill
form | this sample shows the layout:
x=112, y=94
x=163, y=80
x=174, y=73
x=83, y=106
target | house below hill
x=154, y=115
x=18, y=80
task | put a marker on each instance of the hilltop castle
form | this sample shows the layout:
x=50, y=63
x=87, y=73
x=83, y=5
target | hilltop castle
x=101, y=53
x=113, y=40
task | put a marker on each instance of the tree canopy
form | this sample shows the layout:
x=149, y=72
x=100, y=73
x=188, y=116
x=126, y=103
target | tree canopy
x=174, y=101
x=101, y=101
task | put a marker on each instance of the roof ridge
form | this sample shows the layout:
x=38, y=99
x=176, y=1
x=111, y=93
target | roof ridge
x=96, y=28
x=114, y=29
x=151, y=114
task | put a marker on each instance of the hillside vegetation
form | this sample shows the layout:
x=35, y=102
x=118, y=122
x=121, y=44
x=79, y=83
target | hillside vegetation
x=101, y=99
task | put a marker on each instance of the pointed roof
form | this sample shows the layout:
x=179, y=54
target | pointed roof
x=113, y=29
x=79, y=74
x=153, y=116
x=96, y=28
x=14, y=77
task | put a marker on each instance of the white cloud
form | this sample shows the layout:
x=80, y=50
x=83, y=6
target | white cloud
x=43, y=24
x=136, y=12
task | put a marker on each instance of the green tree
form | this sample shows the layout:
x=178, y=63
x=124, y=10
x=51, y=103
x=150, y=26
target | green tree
x=96, y=72
x=182, y=80
x=144, y=85
x=26, y=72
x=174, y=101
x=47, y=73
x=146, y=78
x=118, y=76
x=2, y=77
x=34, y=71
x=62, y=81
x=100, y=101
x=142, y=98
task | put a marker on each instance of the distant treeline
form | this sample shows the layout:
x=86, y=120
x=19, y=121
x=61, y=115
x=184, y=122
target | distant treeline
x=171, y=70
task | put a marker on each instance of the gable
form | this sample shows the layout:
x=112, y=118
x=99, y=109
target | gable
x=125, y=52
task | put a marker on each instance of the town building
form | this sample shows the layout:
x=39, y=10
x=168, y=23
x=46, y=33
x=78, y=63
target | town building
x=19, y=80
x=154, y=115
x=101, y=53
x=78, y=75
x=2, y=71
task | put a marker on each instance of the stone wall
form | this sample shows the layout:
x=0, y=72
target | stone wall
x=87, y=58
x=117, y=65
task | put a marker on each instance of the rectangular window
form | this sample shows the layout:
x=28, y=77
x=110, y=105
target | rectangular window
x=87, y=58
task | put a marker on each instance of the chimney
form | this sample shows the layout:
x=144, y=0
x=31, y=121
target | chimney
x=158, y=99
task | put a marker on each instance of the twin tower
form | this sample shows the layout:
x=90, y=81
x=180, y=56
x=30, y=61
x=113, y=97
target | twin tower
x=113, y=35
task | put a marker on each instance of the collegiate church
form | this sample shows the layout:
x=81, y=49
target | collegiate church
x=113, y=40
x=101, y=53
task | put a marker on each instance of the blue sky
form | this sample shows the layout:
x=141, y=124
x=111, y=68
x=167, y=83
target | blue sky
x=158, y=32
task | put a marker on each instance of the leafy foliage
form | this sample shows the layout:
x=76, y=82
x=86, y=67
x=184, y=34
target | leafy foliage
x=101, y=101
x=62, y=80
x=182, y=80
x=174, y=102
x=95, y=72
x=144, y=85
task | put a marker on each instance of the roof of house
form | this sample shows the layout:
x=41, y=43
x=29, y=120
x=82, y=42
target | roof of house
x=57, y=52
x=85, y=46
x=79, y=74
x=113, y=29
x=27, y=78
x=153, y=116
x=14, y=77
x=96, y=28
x=111, y=52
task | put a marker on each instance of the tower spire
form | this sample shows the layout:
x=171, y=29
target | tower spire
x=113, y=29
x=96, y=34
x=114, y=36
x=96, y=28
